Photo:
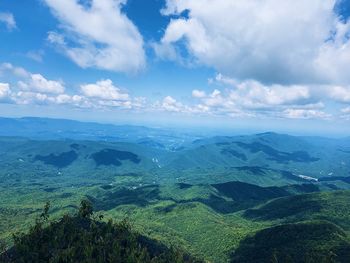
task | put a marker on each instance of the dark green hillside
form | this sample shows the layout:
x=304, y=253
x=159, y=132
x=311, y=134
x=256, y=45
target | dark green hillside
x=315, y=241
x=71, y=159
x=241, y=191
x=330, y=206
x=114, y=157
x=267, y=159
x=223, y=198
x=60, y=160
x=278, y=156
x=262, y=159
x=81, y=238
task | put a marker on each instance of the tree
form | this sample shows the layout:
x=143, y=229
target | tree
x=85, y=209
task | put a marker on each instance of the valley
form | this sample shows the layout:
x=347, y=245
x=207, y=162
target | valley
x=218, y=198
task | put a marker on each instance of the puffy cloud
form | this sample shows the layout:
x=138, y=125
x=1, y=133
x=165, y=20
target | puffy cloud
x=36, y=82
x=8, y=68
x=9, y=20
x=98, y=35
x=67, y=99
x=271, y=41
x=256, y=94
x=105, y=90
x=251, y=98
x=252, y=94
x=28, y=97
x=31, y=82
x=29, y=88
x=339, y=93
x=4, y=90
x=198, y=94
x=170, y=104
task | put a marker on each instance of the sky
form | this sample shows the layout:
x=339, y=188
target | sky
x=252, y=65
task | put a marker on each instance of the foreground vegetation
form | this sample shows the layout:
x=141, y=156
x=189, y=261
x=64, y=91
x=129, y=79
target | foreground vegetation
x=84, y=238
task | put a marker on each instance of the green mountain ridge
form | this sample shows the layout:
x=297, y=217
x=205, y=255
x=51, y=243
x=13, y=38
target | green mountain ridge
x=209, y=197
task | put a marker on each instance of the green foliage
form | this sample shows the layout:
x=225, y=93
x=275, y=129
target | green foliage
x=45, y=214
x=331, y=206
x=85, y=209
x=82, y=239
x=315, y=241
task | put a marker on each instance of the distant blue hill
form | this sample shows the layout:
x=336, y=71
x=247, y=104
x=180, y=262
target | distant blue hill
x=48, y=129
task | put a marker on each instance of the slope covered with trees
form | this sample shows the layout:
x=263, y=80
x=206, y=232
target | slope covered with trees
x=84, y=238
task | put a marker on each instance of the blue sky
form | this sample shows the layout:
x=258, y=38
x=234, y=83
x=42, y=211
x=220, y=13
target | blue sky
x=250, y=65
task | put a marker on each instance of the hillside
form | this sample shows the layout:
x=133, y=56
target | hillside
x=206, y=197
x=331, y=206
x=314, y=241
x=208, y=221
x=61, y=129
x=80, y=238
x=263, y=159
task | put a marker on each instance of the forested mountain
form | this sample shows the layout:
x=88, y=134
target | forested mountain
x=218, y=198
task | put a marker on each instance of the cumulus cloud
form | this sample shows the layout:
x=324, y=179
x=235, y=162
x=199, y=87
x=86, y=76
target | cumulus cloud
x=4, y=91
x=251, y=98
x=170, y=104
x=104, y=94
x=9, y=20
x=291, y=41
x=339, y=93
x=8, y=68
x=228, y=97
x=105, y=90
x=30, y=88
x=198, y=94
x=99, y=35
x=32, y=82
x=36, y=82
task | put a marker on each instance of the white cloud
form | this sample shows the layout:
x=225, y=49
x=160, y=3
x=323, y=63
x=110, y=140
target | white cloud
x=104, y=89
x=170, y=104
x=4, y=90
x=259, y=95
x=28, y=97
x=339, y=93
x=198, y=94
x=29, y=88
x=251, y=94
x=67, y=99
x=9, y=20
x=8, y=68
x=229, y=97
x=99, y=36
x=36, y=82
x=251, y=98
x=290, y=41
